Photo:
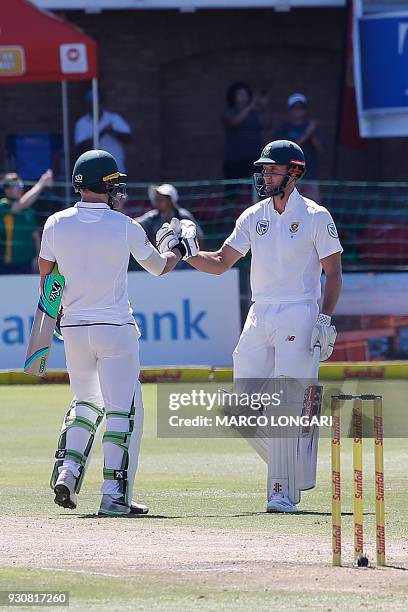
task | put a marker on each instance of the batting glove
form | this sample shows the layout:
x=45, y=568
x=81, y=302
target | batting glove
x=187, y=232
x=324, y=335
x=166, y=238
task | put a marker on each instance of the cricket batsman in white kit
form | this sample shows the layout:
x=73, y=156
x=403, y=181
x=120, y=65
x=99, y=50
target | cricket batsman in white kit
x=291, y=239
x=91, y=243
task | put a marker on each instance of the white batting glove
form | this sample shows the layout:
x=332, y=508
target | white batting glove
x=323, y=334
x=166, y=238
x=187, y=232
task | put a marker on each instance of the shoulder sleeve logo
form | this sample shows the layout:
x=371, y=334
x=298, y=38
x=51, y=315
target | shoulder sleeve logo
x=331, y=228
x=262, y=227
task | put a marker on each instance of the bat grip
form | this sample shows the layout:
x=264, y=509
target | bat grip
x=316, y=361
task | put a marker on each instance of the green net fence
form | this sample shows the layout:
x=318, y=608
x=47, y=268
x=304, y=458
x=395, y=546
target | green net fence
x=372, y=218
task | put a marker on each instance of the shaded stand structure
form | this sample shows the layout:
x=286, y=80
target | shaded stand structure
x=38, y=46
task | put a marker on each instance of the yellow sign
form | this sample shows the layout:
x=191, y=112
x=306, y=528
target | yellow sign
x=12, y=61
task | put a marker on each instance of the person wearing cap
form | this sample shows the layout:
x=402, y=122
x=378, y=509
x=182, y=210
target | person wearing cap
x=19, y=235
x=114, y=131
x=291, y=238
x=306, y=133
x=164, y=199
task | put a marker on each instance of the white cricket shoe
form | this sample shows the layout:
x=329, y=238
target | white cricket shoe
x=280, y=502
x=117, y=506
x=64, y=490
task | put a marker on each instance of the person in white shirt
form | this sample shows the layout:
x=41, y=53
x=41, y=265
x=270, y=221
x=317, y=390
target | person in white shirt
x=114, y=131
x=91, y=244
x=291, y=239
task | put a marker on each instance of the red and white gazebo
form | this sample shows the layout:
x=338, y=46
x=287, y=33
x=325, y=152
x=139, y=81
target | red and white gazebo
x=38, y=46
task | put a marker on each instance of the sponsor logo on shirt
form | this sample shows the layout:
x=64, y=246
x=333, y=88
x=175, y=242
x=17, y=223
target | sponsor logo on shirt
x=262, y=227
x=294, y=227
x=290, y=338
x=331, y=228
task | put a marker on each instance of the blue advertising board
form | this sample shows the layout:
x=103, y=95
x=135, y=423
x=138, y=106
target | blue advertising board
x=185, y=318
x=384, y=61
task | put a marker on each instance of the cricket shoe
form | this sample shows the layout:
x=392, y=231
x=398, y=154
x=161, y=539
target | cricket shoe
x=116, y=506
x=64, y=490
x=280, y=502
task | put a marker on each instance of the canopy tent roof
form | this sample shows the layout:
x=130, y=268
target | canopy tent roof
x=37, y=46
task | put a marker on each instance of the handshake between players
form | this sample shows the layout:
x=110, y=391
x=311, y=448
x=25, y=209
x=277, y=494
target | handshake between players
x=291, y=239
x=180, y=234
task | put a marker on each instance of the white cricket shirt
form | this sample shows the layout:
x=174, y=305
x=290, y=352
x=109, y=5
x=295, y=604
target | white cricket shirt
x=91, y=244
x=286, y=248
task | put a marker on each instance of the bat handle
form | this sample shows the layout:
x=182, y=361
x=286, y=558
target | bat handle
x=316, y=361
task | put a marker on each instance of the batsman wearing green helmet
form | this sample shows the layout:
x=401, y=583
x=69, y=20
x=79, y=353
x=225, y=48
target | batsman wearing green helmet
x=291, y=238
x=97, y=171
x=91, y=243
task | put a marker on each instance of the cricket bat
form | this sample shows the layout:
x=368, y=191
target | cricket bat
x=42, y=331
x=313, y=397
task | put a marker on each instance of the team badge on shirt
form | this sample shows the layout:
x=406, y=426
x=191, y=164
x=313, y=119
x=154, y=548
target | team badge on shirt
x=262, y=227
x=331, y=228
x=294, y=227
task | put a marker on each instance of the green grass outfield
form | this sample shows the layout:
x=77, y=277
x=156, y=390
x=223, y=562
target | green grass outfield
x=207, y=543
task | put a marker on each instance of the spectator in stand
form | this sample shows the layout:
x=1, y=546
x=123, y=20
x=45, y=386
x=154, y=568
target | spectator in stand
x=114, y=131
x=306, y=133
x=243, y=129
x=164, y=199
x=19, y=234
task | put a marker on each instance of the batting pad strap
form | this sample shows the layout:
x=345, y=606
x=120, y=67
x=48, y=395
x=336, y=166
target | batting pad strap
x=109, y=474
x=119, y=414
x=80, y=421
x=68, y=453
x=117, y=437
x=97, y=409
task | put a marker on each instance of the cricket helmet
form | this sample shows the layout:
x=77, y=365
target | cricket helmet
x=98, y=171
x=283, y=153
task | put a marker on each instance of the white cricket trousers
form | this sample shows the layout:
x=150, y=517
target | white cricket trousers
x=275, y=341
x=103, y=367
